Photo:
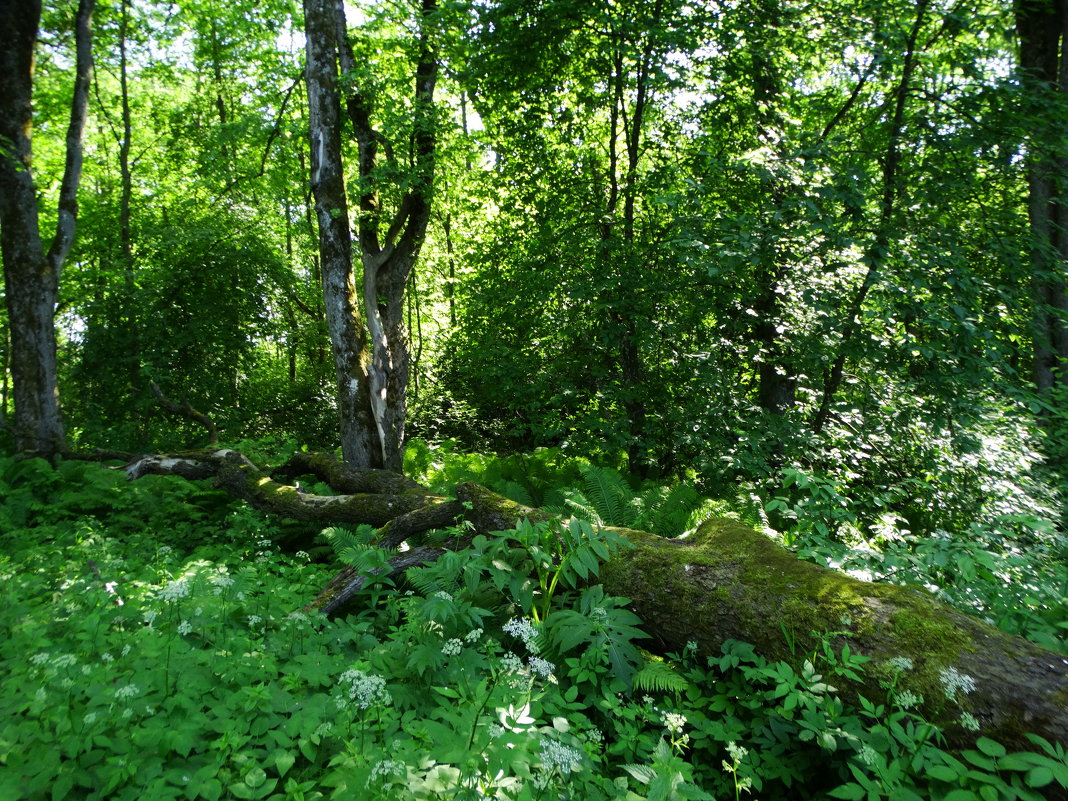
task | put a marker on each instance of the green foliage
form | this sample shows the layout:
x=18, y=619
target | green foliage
x=151, y=652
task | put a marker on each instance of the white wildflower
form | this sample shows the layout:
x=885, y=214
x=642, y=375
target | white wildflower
x=953, y=681
x=868, y=755
x=523, y=630
x=452, y=647
x=908, y=699
x=64, y=660
x=387, y=767
x=127, y=691
x=150, y=617
x=562, y=757
x=126, y=649
x=442, y=595
x=494, y=730
x=473, y=635
x=968, y=721
x=900, y=663
x=39, y=659
x=184, y=627
x=511, y=663
x=175, y=590
x=107, y=658
x=674, y=722
x=221, y=579
x=254, y=620
x=541, y=667
x=738, y=754
x=364, y=689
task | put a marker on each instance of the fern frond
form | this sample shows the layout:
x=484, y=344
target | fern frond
x=672, y=516
x=610, y=495
x=515, y=492
x=659, y=677
x=576, y=505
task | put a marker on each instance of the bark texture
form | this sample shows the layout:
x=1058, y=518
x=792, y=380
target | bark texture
x=31, y=275
x=370, y=342
x=1042, y=28
x=352, y=356
x=727, y=581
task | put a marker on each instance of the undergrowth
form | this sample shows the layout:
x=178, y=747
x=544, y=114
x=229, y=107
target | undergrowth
x=153, y=648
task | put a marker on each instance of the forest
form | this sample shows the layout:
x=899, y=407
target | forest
x=534, y=399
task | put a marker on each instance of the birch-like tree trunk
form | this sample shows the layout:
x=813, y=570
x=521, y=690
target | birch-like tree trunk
x=360, y=443
x=370, y=343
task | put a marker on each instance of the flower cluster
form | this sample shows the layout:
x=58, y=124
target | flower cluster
x=900, y=663
x=953, y=681
x=673, y=722
x=175, y=590
x=541, y=667
x=127, y=691
x=364, y=689
x=523, y=630
x=387, y=767
x=556, y=755
x=907, y=699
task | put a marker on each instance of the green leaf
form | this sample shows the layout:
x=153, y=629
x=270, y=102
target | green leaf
x=283, y=761
x=850, y=792
x=942, y=773
x=990, y=747
x=1039, y=777
x=62, y=786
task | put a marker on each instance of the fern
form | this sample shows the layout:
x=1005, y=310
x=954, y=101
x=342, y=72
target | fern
x=351, y=547
x=578, y=505
x=659, y=677
x=673, y=515
x=609, y=494
x=515, y=492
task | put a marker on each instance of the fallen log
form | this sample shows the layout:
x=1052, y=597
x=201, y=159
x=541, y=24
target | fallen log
x=725, y=582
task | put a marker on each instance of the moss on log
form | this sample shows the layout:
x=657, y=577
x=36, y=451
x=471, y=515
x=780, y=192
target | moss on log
x=345, y=478
x=725, y=582
x=731, y=582
x=241, y=478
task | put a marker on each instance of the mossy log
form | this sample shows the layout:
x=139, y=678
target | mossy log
x=235, y=474
x=725, y=582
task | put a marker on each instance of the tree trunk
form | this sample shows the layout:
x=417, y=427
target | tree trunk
x=31, y=276
x=877, y=252
x=370, y=349
x=1042, y=29
x=359, y=441
x=727, y=581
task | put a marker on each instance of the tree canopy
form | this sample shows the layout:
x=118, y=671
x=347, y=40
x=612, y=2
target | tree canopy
x=801, y=263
